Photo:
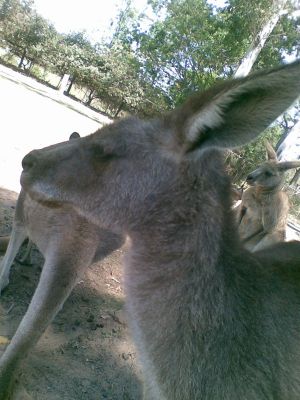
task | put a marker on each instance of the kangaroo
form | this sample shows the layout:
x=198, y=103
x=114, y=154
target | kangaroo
x=264, y=209
x=69, y=244
x=210, y=320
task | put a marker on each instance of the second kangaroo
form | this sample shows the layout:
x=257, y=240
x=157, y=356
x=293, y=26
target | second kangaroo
x=263, y=212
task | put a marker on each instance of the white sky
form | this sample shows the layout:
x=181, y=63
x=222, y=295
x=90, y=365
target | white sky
x=94, y=16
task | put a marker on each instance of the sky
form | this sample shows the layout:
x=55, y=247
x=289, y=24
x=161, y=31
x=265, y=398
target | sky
x=94, y=16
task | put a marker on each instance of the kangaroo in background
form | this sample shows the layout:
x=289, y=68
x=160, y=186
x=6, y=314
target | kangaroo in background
x=69, y=244
x=263, y=212
x=210, y=320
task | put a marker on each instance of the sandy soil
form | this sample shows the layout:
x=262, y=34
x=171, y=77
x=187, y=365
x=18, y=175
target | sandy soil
x=86, y=353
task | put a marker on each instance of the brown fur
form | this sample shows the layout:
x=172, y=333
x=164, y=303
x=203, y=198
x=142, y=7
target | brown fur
x=264, y=209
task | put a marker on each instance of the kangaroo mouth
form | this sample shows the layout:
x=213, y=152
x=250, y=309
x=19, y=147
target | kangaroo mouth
x=27, y=183
x=39, y=192
x=251, y=184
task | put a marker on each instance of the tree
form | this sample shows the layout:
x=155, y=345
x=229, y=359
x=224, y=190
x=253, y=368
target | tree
x=23, y=30
x=117, y=81
x=260, y=39
x=244, y=68
x=196, y=43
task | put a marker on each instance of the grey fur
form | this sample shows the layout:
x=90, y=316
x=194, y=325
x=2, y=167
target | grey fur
x=69, y=244
x=210, y=320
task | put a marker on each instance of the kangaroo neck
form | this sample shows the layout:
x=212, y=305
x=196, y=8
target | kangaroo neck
x=177, y=231
x=263, y=191
x=190, y=239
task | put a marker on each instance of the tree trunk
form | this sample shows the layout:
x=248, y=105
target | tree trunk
x=260, y=40
x=72, y=80
x=295, y=178
x=62, y=86
x=256, y=47
x=119, y=109
x=90, y=97
x=22, y=59
x=286, y=151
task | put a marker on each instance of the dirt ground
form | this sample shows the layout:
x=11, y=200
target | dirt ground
x=86, y=353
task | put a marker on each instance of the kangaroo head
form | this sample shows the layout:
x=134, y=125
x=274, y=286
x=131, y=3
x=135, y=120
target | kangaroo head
x=270, y=175
x=128, y=173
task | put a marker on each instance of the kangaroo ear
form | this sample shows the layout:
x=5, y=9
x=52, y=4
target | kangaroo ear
x=74, y=135
x=235, y=112
x=271, y=153
x=285, y=165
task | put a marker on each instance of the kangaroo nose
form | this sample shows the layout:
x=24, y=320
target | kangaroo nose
x=29, y=160
x=250, y=178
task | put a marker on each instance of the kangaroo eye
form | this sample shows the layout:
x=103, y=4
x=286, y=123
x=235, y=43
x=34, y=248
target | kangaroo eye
x=100, y=154
x=268, y=174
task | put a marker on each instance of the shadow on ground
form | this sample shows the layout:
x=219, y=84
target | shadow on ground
x=86, y=353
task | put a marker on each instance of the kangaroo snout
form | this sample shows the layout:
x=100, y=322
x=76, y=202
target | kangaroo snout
x=250, y=179
x=30, y=160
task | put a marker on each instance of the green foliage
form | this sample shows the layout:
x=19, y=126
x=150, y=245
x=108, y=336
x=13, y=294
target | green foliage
x=116, y=82
x=194, y=43
x=149, y=69
x=178, y=50
x=22, y=29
